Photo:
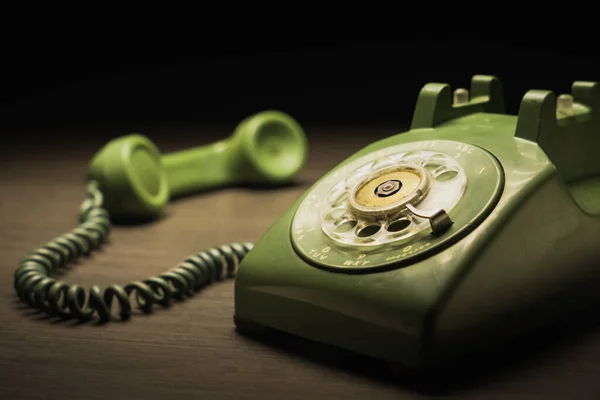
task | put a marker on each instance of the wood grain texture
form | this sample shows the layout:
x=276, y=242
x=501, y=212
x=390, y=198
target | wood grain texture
x=192, y=349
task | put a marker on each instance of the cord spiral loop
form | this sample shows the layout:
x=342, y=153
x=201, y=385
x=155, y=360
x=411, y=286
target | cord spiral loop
x=35, y=286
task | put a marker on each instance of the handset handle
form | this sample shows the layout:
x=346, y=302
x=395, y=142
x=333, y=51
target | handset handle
x=266, y=149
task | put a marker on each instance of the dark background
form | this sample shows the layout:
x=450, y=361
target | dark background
x=134, y=83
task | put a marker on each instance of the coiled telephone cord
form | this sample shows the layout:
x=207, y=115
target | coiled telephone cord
x=35, y=286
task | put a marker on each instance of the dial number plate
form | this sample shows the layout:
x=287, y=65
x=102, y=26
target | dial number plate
x=355, y=219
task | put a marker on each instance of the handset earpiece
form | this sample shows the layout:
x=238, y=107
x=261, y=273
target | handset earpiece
x=268, y=148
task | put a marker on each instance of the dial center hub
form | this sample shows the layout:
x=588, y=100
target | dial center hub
x=389, y=190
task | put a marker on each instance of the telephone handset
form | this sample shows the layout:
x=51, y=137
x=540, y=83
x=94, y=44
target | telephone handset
x=128, y=179
x=470, y=228
x=464, y=231
x=266, y=149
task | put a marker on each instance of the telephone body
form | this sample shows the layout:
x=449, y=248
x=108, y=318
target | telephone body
x=471, y=228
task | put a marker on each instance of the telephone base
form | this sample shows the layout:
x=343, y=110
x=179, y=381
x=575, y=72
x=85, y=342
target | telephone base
x=365, y=260
x=529, y=345
x=326, y=354
x=586, y=192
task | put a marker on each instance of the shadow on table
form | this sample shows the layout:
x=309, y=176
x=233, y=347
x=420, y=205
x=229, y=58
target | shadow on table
x=516, y=355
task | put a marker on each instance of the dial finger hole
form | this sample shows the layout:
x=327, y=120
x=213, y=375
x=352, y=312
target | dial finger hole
x=368, y=230
x=334, y=195
x=439, y=157
x=384, y=162
x=355, y=177
x=344, y=226
x=412, y=154
x=339, y=201
x=444, y=174
x=430, y=166
x=335, y=213
x=396, y=157
x=365, y=240
x=433, y=162
x=398, y=225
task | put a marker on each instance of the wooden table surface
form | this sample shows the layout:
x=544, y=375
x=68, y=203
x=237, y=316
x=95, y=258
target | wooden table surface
x=192, y=350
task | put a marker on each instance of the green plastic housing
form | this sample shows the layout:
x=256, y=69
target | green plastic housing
x=533, y=258
x=266, y=149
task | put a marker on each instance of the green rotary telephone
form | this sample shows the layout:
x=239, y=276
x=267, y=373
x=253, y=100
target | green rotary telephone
x=467, y=230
